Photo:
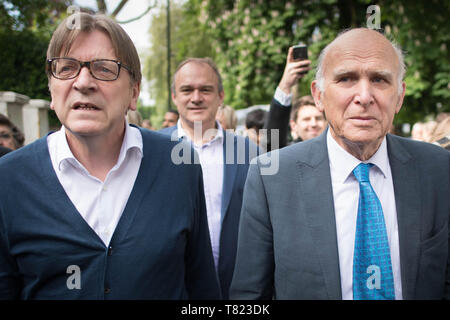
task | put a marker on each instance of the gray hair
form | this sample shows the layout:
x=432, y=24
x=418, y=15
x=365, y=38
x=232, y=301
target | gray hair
x=320, y=72
x=64, y=37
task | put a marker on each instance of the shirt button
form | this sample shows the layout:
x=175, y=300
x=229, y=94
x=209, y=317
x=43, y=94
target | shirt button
x=107, y=290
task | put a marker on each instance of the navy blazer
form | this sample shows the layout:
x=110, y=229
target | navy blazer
x=234, y=176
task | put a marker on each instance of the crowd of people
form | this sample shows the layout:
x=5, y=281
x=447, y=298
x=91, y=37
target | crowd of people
x=188, y=212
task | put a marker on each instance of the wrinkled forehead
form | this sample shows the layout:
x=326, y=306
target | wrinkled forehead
x=361, y=50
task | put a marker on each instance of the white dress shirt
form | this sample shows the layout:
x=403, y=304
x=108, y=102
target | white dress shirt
x=346, y=197
x=282, y=97
x=211, y=160
x=99, y=203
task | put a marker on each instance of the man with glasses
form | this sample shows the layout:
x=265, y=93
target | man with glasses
x=93, y=218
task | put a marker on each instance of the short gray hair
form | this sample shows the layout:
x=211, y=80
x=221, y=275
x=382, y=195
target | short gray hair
x=319, y=70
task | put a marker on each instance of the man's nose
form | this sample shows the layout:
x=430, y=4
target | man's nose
x=85, y=81
x=364, y=95
x=196, y=96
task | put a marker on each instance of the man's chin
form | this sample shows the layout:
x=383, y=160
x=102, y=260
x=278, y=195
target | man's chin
x=86, y=130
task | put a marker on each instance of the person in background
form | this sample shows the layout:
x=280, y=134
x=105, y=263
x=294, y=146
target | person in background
x=10, y=136
x=134, y=117
x=227, y=117
x=147, y=124
x=306, y=121
x=428, y=128
x=441, y=134
x=197, y=91
x=281, y=105
x=170, y=119
x=98, y=209
x=417, y=131
x=254, y=123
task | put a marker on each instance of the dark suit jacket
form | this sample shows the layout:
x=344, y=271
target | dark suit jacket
x=4, y=151
x=287, y=238
x=277, y=118
x=234, y=177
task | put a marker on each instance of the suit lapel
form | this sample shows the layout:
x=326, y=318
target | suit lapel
x=408, y=204
x=229, y=172
x=316, y=195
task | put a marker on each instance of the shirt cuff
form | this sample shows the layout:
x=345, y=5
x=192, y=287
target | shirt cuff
x=284, y=99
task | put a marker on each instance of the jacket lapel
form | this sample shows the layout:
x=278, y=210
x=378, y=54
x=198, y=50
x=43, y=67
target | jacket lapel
x=408, y=203
x=316, y=195
x=229, y=171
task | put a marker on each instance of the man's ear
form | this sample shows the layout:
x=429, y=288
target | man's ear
x=135, y=90
x=317, y=95
x=172, y=94
x=292, y=124
x=400, y=98
x=222, y=96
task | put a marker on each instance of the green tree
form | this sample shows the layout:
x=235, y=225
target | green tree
x=252, y=39
x=25, y=29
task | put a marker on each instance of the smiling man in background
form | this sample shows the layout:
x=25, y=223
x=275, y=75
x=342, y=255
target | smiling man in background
x=306, y=121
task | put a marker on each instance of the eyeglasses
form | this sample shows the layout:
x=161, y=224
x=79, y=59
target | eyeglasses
x=101, y=69
x=5, y=136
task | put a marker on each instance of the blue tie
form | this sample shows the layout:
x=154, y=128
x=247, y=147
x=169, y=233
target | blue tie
x=372, y=269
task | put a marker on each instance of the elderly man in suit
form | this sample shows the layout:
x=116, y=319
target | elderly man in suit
x=355, y=213
x=197, y=92
x=86, y=212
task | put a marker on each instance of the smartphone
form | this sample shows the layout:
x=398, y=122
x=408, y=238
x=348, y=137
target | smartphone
x=300, y=52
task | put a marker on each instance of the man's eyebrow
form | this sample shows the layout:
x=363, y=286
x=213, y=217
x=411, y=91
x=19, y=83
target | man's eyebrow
x=188, y=86
x=343, y=72
x=382, y=73
x=346, y=72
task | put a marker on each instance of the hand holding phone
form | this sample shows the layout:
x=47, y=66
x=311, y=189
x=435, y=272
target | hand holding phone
x=300, y=52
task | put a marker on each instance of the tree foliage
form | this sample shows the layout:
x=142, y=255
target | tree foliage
x=23, y=60
x=25, y=30
x=252, y=39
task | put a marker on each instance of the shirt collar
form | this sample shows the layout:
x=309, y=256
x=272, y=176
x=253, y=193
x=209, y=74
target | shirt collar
x=217, y=138
x=131, y=140
x=342, y=163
